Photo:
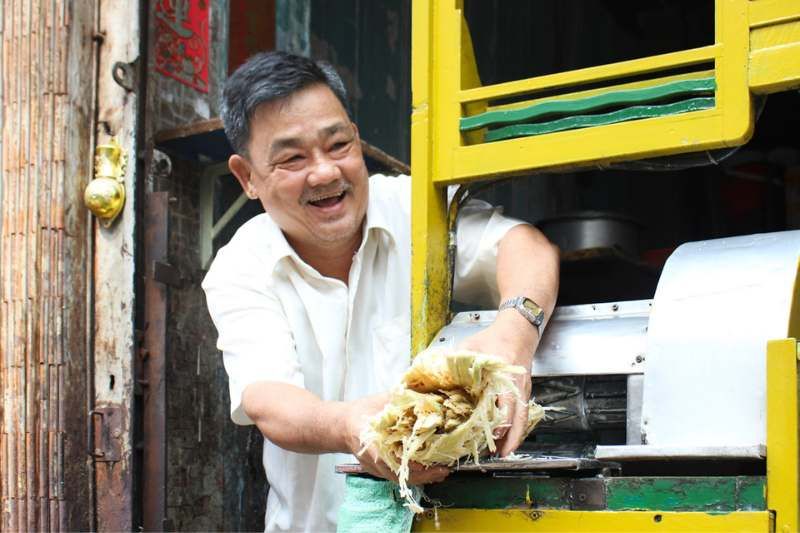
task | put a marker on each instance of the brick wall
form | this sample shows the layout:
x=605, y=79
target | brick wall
x=215, y=480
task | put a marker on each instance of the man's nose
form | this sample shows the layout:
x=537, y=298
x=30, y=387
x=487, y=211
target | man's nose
x=323, y=171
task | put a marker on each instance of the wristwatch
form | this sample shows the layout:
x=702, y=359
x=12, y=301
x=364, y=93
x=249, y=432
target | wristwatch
x=527, y=308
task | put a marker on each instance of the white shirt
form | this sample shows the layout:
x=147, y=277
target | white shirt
x=278, y=319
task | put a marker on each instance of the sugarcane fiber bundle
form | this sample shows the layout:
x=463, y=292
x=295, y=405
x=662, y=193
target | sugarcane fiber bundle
x=444, y=410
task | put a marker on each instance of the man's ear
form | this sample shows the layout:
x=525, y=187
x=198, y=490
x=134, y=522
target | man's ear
x=240, y=168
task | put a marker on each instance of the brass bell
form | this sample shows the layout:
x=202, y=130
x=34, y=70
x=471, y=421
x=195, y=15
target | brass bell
x=105, y=194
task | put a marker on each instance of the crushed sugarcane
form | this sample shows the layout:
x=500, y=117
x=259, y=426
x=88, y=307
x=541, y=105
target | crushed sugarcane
x=444, y=410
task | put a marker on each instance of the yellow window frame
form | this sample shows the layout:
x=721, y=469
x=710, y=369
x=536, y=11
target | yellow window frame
x=729, y=123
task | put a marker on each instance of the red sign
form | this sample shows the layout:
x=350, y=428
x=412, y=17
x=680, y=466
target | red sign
x=181, y=49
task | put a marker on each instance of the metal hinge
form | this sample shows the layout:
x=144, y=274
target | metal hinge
x=105, y=444
x=588, y=495
x=126, y=74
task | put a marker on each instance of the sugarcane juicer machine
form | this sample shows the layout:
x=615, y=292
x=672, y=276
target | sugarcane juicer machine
x=678, y=413
x=643, y=418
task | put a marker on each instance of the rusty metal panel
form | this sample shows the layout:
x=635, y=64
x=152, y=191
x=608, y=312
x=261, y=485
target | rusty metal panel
x=107, y=436
x=154, y=419
x=114, y=284
x=46, y=68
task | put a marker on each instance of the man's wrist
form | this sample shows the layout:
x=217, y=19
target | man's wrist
x=528, y=309
x=522, y=334
x=338, y=416
x=522, y=325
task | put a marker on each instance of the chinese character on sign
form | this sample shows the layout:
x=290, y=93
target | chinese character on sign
x=181, y=48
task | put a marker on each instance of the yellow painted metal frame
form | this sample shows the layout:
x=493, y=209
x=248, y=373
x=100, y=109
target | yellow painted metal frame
x=757, y=50
x=783, y=449
x=475, y=520
x=729, y=123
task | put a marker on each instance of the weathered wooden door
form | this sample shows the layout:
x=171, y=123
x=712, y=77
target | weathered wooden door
x=69, y=83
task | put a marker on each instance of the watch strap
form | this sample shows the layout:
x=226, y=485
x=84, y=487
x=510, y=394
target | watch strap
x=518, y=303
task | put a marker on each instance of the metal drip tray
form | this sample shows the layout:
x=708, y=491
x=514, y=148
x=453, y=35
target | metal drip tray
x=515, y=463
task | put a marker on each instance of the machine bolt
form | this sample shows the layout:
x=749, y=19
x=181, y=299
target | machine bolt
x=615, y=307
x=639, y=358
x=475, y=316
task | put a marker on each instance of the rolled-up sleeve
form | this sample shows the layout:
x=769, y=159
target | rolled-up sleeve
x=254, y=334
x=480, y=228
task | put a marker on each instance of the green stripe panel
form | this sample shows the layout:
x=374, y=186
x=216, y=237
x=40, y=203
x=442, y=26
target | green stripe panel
x=588, y=121
x=483, y=492
x=590, y=103
x=704, y=494
x=721, y=494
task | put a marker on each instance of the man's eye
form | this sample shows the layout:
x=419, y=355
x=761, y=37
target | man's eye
x=340, y=146
x=293, y=161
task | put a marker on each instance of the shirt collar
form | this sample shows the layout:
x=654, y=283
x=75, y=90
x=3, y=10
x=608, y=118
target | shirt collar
x=279, y=248
x=379, y=217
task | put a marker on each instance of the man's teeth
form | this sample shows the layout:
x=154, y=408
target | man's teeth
x=319, y=199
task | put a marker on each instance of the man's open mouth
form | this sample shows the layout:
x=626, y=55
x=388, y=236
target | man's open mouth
x=328, y=201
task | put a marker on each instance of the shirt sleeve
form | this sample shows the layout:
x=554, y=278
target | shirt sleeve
x=254, y=334
x=479, y=229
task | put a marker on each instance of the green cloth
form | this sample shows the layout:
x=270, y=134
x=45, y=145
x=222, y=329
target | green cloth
x=373, y=506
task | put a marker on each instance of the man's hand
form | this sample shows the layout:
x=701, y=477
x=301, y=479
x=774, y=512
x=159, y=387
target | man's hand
x=514, y=339
x=358, y=412
x=297, y=420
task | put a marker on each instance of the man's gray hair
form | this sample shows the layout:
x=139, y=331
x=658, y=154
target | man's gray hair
x=266, y=77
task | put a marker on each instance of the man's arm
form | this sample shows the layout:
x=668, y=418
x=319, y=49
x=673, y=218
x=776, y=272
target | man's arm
x=297, y=420
x=527, y=265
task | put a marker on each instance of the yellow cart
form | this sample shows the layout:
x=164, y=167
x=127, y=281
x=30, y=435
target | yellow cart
x=463, y=132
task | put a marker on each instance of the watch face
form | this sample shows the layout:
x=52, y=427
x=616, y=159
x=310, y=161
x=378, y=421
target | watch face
x=535, y=310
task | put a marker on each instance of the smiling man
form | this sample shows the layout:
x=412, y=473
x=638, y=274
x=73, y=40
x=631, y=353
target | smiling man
x=311, y=300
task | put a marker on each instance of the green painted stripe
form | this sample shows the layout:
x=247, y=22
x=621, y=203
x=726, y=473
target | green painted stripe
x=587, y=121
x=483, y=492
x=722, y=494
x=589, y=103
x=751, y=493
x=703, y=494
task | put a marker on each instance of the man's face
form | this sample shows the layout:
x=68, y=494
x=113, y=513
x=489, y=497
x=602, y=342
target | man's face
x=305, y=165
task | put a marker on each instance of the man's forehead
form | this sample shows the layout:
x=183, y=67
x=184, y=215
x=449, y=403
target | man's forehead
x=298, y=135
x=314, y=99
x=298, y=117
x=321, y=128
